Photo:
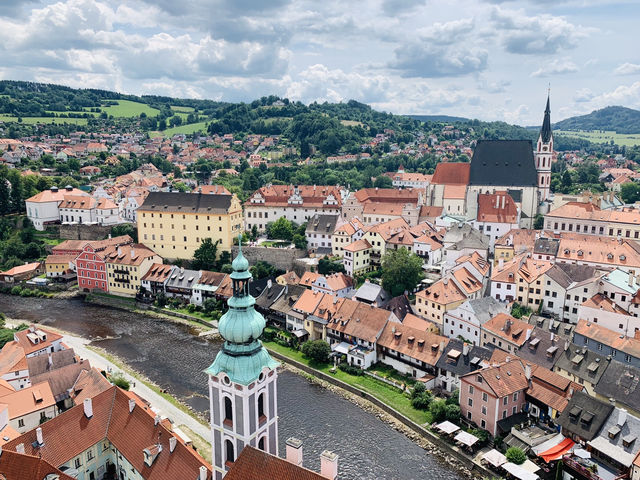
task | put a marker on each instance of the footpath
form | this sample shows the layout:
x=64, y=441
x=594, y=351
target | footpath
x=177, y=416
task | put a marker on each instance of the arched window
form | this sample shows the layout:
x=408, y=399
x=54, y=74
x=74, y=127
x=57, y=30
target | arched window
x=261, y=415
x=228, y=411
x=261, y=443
x=229, y=451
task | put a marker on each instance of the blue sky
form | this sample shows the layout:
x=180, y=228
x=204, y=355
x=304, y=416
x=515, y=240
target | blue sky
x=488, y=59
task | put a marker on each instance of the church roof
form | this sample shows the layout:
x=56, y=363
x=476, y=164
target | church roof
x=504, y=163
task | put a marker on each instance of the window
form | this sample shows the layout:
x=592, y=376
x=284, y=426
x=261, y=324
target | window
x=514, y=410
x=229, y=451
x=228, y=411
x=505, y=400
x=470, y=389
x=515, y=397
x=485, y=397
x=90, y=455
x=470, y=402
x=261, y=443
x=20, y=422
x=483, y=424
x=261, y=415
x=484, y=410
x=77, y=463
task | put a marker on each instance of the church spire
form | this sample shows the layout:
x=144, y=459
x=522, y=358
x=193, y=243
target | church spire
x=545, y=131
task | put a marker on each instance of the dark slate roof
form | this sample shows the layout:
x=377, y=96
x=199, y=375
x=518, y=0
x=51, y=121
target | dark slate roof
x=621, y=382
x=268, y=296
x=179, y=202
x=545, y=131
x=256, y=287
x=283, y=304
x=621, y=426
x=400, y=306
x=560, y=329
x=463, y=364
x=568, y=361
x=506, y=424
x=503, y=163
x=564, y=274
x=40, y=363
x=546, y=246
x=324, y=224
x=183, y=278
x=539, y=349
x=584, y=415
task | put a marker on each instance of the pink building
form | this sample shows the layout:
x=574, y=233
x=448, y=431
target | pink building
x=494, y=393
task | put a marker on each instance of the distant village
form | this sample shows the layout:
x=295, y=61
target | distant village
x=527, y=310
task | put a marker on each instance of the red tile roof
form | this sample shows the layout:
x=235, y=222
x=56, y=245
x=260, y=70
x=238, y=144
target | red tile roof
x=24, y=338
x=452, y=174
x=254, y=464
x=497, y=207
x=27, y=467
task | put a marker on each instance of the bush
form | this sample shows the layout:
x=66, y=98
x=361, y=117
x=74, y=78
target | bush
x=17, y=290
x=351, y=369
x=317, y=350
x=438, y=409
x=422, y=401
x=119, y=380
x=452, y=413
x=483, y=436
x=516, y=455
x=418, y=389
x=454, y=398
x=191, y=308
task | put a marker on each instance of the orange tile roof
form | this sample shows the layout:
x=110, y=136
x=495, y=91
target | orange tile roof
x=589, y=211
x=597, y=249
x=455, y=192
x=443, y=292
x=477, y=261
x=497, y=207
x=413, y=321
x=214, y=189
x=28, y=400
x=451, y=173
x=157, y=273
x=312, y=195
x=27, y=467
x=71, y=433
x=516, y=333
x=78, y=202
x=338, y=281
x=418, y=344
x=49, y=196
x=12, y=358
x=308, y=301
x=254, y=464
x=387, y=229
x=360, y=320
x=29, y=267
x=601, y=302
x=131, y=254
x=504, y=379
x=358, y=246
x=388, y=195
x=383, y=208
x=467, y=281
x=88, y=384
x=308, y=278
x=22, y=337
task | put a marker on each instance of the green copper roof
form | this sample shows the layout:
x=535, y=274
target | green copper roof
x=242, y=357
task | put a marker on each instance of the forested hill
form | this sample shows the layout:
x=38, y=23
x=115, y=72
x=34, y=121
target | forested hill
x=28, y=108
x=617, y=119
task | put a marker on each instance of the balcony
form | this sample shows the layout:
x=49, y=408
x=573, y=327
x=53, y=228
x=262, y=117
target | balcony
x=591, y=469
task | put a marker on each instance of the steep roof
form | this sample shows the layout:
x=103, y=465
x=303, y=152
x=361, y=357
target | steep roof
x=455, y=361
x=254, y=464
x=451, y=174
x=417, y=344
x=509, y=328
x=178, y=202
x=55, y=195
x=609, y=337
x=545, y=131
x=503, y=163
x=359, y=320
x=28, y=400
x=88, y=384
x=621, y=382
x=582, y=363
x=584, y=415
x=33, y=338
x=497, y=207
x=131, y=254
x=504, y=378
x=27, y=467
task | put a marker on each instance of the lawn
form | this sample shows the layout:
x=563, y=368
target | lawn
x=351, y=123
x=197, y=314
x=178, y=108
x=34, y=120
x=602, y=136
x=127, y=108
x=182, y=129
x=50, y=241
x=275, y=243
x=383, y=392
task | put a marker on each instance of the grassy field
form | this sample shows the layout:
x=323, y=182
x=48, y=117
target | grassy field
x=34, y=120
x=182, y=129
x=350, y=123
x=270, y=120
x=386, y=393
x=127, y=108
x=83, y=112
x=601, y=136
x=178, y=108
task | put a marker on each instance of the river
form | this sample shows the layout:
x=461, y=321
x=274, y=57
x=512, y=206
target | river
x=174, y=358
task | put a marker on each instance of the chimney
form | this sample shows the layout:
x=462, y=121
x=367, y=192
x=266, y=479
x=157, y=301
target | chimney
x=527, y=372
x=88, y=407
x=20, y=448
x=442, y=346
x=50, y=359
x=294, y=451
x=622, y=417
x=133, y=253
x=528, y=334
x=109, y=237
x=329, y=465
x=40, y=438
x=203, y=473
x=465, y=349
x=132, y=404
x=566, y=345
x=172, y=444
x=119, y=251
x=156, y=420
x=269, y=284
x=500, y=263
x=553, y=338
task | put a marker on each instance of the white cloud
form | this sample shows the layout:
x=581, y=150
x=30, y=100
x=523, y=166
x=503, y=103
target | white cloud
x=583, y=95
x=556, y=67
x=627, y=69
x=447, y=33
x=425, y=60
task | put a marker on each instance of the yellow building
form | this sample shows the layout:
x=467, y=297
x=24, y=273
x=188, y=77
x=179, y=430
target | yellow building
x=433, y=302
x=174, y=224
x=356, y=258
x=126, y=265
x=59, y=265
x=378, y=236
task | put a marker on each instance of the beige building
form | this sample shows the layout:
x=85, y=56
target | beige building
x=174, y=224
x=126, y=265
x=587, y=218
x=433, y=302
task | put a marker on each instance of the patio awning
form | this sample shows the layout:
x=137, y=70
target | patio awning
x=555, y=453
x=466, y=438
x=447, y=427
x=519, y=472
x=547, y=444
x=494, y=457
x=300, y=333
x=530, y=466
x=342, y=347
x=582, y=453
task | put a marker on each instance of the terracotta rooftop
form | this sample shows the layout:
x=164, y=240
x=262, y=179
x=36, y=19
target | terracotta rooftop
x=417, y=344
x=452, y=174
x=254, y=464
x=509, y=328
x=497, y=207
x=630, y=345
x=35, y=338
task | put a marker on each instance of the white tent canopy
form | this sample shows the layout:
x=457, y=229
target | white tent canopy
x=494, y=457
x=546, y=445
x=466, y=438
x=530, y=466
x=447, y=427
x=519, y=472
x=582, y=453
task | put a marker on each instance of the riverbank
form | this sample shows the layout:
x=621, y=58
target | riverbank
x=417, y=433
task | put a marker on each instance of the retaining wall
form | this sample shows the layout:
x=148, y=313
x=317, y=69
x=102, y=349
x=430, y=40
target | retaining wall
x=447, y=448
x=83, y=232
x=171, y=313
x=282, y=258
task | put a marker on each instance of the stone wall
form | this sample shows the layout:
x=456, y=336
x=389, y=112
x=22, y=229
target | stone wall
x=282, y=258
x=83, y=232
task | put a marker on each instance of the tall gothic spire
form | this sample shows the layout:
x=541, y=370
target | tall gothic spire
x=545, y=131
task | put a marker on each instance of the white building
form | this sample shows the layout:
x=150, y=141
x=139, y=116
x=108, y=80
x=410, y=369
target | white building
x=42, y=208
x=466, y=320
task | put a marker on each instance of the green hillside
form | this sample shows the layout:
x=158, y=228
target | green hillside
x=611, y=119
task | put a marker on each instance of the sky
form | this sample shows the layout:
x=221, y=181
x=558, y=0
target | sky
x=485, y=59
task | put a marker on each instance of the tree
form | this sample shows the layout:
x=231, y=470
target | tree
x=125, y=229
x=383, y=182
x=452, y=413
x=401, y=271
x=300, y=241
x=538, y=223
x=438, y=410
x=254, y=232
x=515, y=455
x=630, y=192
x=281, y=229
x=263, y=270
x=204, y=258
x=519, y=311
x=327, y=267
x=317, y=351
x=566, y=181
x=420, y=397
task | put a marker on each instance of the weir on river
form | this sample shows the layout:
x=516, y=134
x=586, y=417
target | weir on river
x=173, y=357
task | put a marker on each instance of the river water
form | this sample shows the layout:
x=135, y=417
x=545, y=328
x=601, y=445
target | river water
x=171, y=356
